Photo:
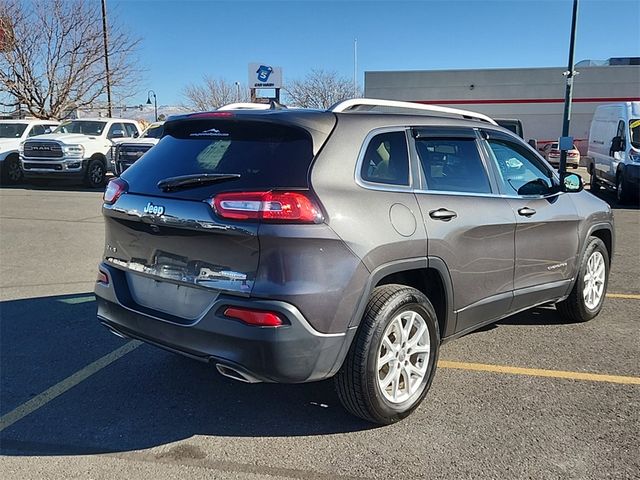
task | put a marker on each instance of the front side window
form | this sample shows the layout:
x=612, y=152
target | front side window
x=132, y=131
x=116, y=127
x=634, y=133
x=12, y=130
x=452, y=165
x=386, y=160
x=520, y=172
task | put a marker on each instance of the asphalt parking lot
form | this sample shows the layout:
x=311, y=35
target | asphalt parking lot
x=528, y=397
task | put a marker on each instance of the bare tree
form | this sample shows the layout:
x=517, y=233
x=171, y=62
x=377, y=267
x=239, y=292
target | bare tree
x=213, y=93
x=319, y=89
x=55, y=62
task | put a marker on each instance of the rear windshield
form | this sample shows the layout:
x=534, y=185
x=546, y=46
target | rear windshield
x=266, y=156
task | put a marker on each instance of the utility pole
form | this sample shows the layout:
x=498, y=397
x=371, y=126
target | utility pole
x=568, y=93
x=106, y=55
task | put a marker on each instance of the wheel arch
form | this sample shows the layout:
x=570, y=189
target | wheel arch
x=429, y=275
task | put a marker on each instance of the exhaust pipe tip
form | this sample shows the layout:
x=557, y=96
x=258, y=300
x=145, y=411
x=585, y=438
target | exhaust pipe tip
x=230, y=372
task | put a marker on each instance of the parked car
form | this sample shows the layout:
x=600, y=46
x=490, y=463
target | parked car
x=129, y=151
x=77, y=149
x=12, y=133
x=299, y=245
x=614, y=150
x=551, y=152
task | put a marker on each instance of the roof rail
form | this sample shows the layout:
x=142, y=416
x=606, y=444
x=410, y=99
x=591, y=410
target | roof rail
x=272, y=105
x=353, y=104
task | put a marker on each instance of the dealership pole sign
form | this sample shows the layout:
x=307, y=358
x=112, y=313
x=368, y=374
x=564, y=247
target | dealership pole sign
x=263, y=75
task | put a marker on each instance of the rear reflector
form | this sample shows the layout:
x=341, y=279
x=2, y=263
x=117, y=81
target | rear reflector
x=115, y=188
x=257, y=318
x=276, y=207
x=102, y=278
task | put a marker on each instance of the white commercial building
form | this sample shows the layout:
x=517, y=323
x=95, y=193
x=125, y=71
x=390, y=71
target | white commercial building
x=535, y=96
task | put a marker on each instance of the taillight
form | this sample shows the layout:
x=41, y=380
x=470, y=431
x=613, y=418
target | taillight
x=258, y=318
x=115, y=188
x=102, y=278
x=276, y=207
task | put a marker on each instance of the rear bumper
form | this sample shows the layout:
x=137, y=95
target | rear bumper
x=293, y=353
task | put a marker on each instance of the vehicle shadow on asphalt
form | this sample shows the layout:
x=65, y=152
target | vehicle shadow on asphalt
x=609, y=196
x=147, y=398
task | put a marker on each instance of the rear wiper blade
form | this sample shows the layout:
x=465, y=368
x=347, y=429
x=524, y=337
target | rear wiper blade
x=196, y=180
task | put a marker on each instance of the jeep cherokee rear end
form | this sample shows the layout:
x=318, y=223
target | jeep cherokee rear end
x=216, y=248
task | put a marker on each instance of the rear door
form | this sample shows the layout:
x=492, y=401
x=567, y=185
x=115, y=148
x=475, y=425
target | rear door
x=175, y=235
x=469, y=226
x=546, y=239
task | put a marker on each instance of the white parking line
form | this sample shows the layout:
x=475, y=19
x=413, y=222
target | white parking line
x=59, y=388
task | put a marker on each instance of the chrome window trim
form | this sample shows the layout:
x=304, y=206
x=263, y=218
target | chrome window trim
x=491, y=195
x=383, y=187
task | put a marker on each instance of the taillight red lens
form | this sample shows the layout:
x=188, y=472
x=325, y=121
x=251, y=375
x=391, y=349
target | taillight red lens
x=115, y=188
x=277, y=207
x=102, y=278
x=257, y=318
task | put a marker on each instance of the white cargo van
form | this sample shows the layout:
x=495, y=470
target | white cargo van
x=614, y=149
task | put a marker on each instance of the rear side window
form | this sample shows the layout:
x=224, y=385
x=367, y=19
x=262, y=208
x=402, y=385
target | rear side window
x=386, y=159
x=452, y=165
x=266, y=156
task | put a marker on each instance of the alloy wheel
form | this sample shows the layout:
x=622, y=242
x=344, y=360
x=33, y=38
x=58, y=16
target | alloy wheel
x=594, y=279
x=403, y=356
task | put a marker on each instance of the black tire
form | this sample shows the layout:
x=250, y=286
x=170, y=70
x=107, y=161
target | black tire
x=11, y=170
x=96, y=174
x=574, y=307
x=594, y=185
x=624, y=192
x=357, y=382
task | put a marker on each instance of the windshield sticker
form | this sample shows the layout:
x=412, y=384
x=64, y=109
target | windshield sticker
x=212, y=132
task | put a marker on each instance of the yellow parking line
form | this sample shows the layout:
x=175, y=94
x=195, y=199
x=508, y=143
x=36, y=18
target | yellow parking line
x=58, y=389
x=536, y=372
x=631, y=296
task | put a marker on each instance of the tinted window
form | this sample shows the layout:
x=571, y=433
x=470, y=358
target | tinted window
x=386, y=159
x=114, y=127
x=86, y=127
x=12, y=130
x=37, y=130
x=266, y=156
x=154, y=132
x=519, y=170
x=131, y=129
x=452, y=165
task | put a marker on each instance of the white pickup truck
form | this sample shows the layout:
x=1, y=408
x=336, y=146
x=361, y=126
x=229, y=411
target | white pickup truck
x=127, y=152
x=12, y=134
x=77, y=149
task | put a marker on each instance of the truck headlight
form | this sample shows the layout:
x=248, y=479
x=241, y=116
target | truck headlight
x=76, y=151
x=21, y=149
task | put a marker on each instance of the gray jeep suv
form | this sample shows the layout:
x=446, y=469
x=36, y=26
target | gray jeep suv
x=297, y=245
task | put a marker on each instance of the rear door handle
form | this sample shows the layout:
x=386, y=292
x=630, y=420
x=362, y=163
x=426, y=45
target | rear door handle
x=526, y=211
x=442, y=214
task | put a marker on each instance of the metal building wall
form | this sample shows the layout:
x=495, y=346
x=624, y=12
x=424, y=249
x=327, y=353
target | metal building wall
x=533, y=95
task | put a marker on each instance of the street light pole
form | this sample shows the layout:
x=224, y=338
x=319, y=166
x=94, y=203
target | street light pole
x=569, y=90
x=237, y=91
x=155, y=102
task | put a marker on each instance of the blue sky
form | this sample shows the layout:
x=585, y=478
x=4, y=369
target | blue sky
x=183, y=40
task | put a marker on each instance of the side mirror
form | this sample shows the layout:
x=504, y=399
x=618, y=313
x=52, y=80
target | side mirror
x=117, y=134
x=136, y=134
x=617, y=144
x=572, y=183
x=534, y=143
